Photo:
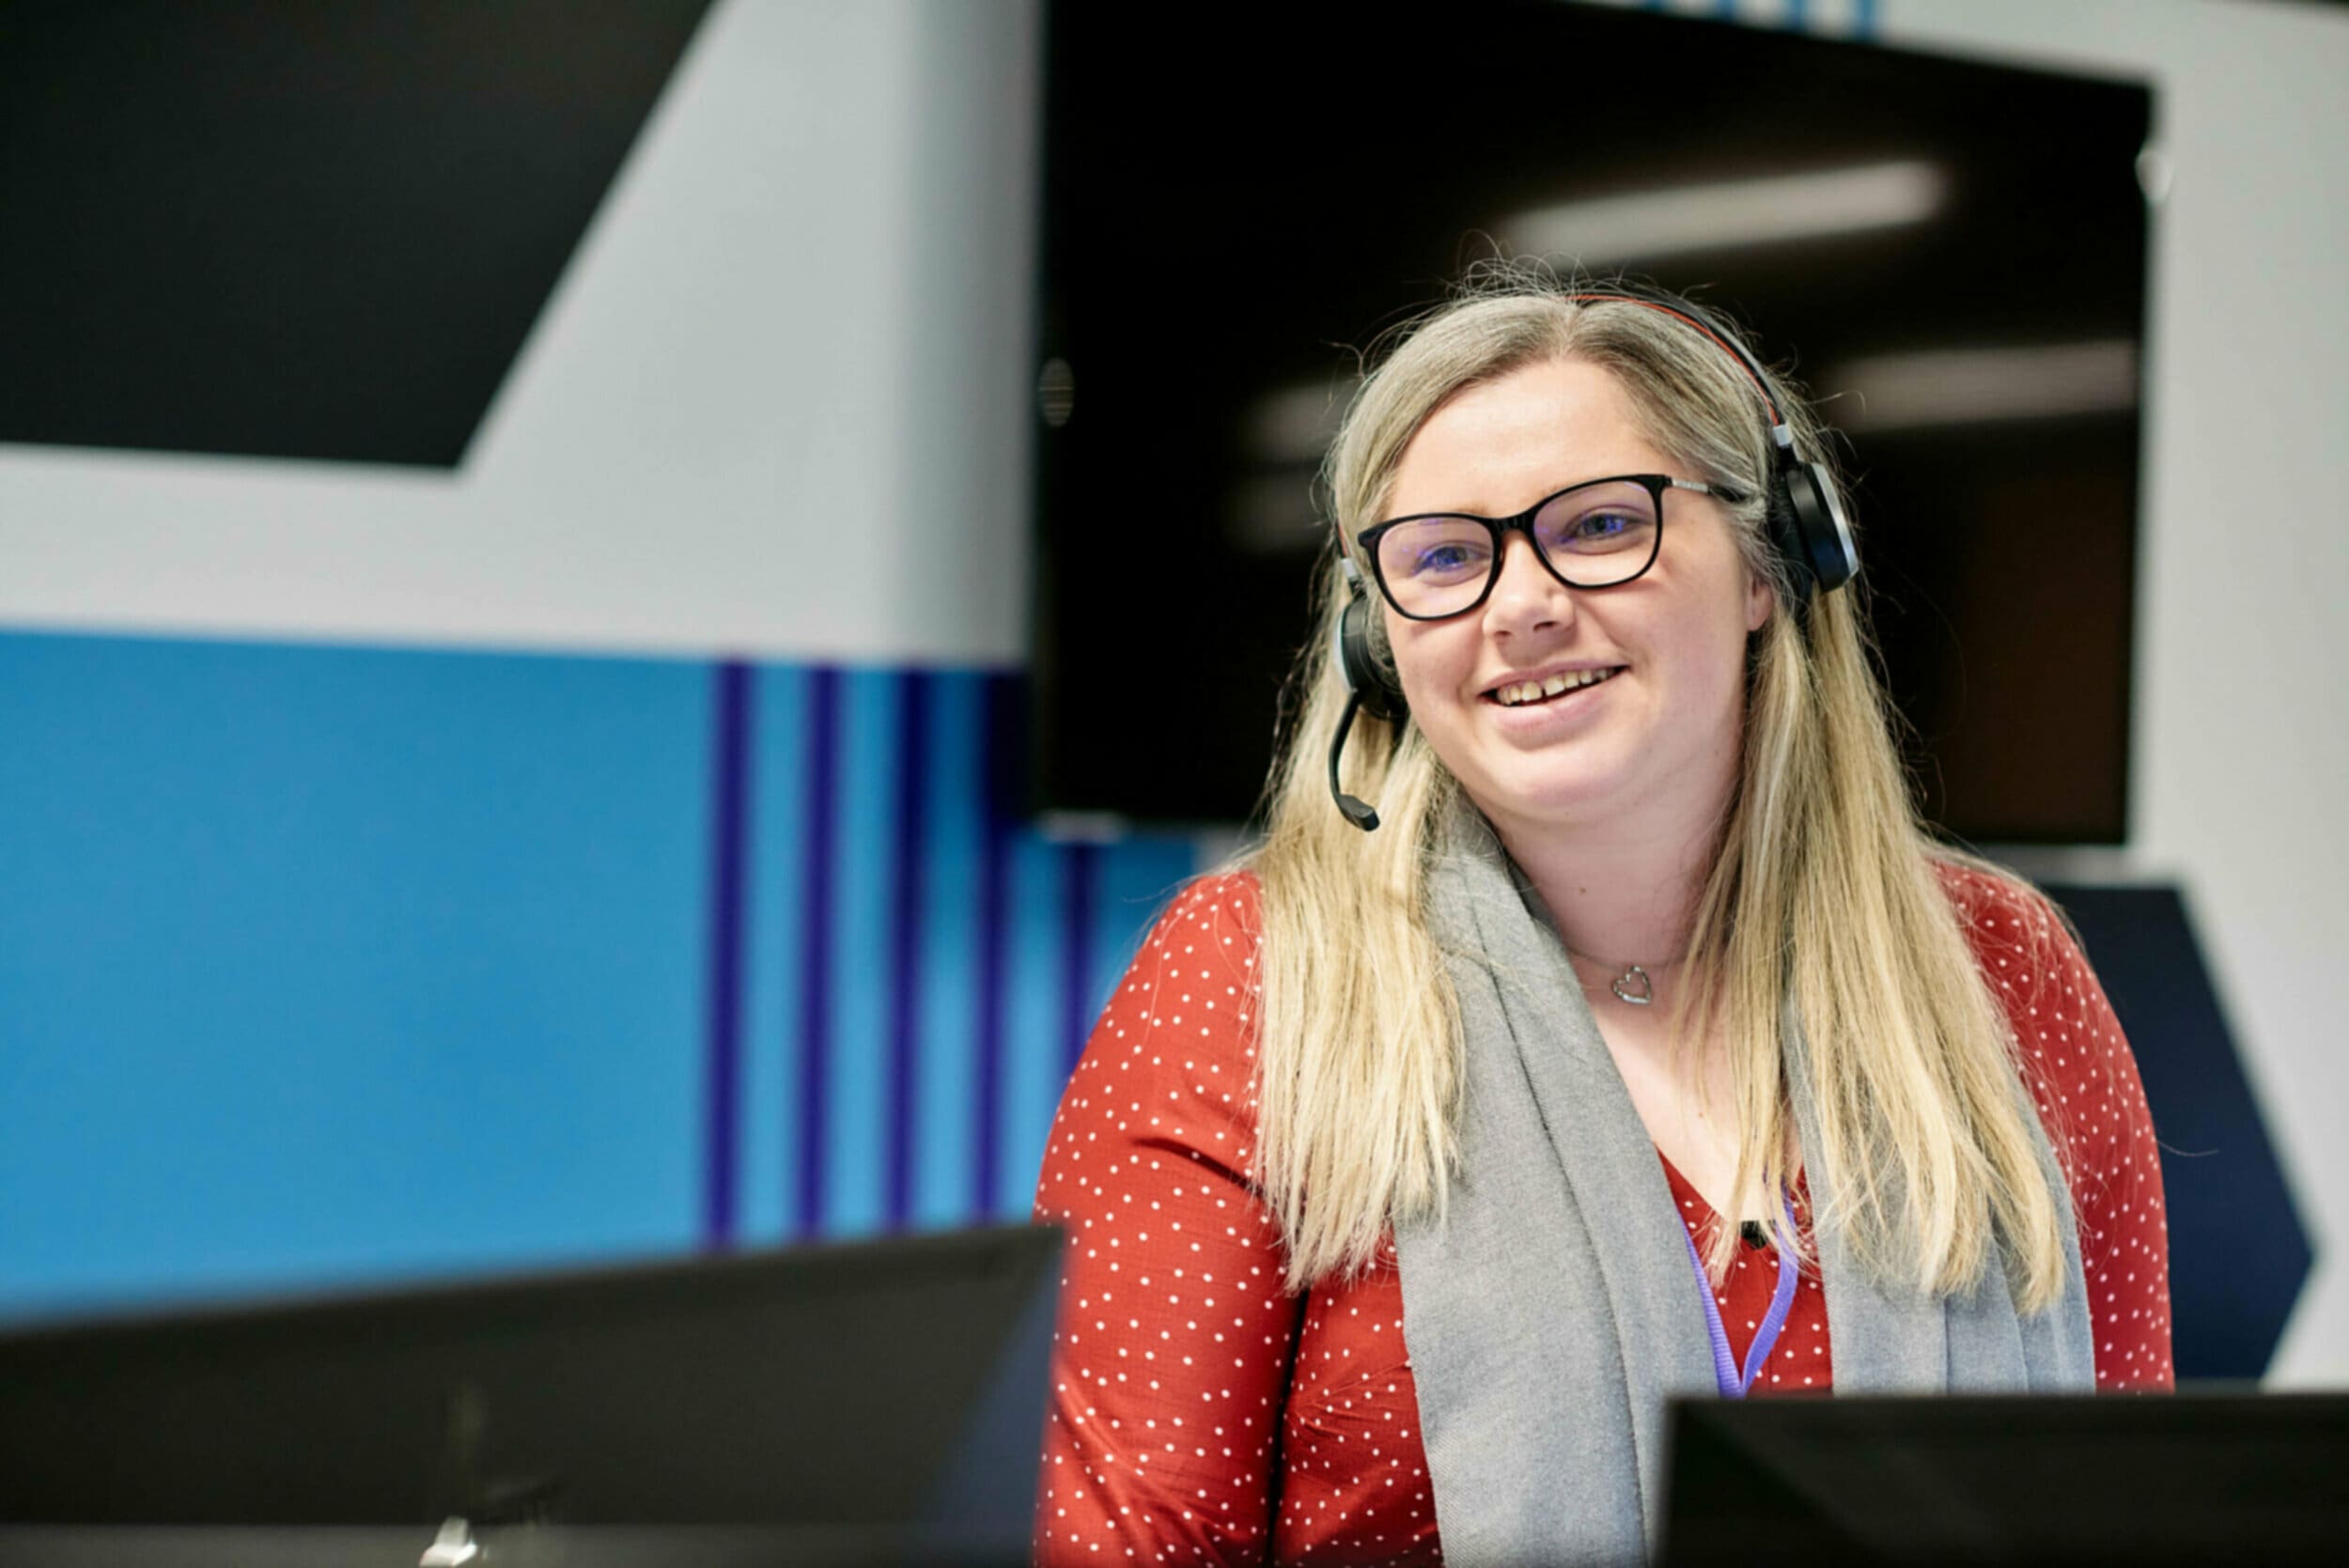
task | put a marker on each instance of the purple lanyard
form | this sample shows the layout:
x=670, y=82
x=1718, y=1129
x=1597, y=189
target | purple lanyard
x=1734, y=1384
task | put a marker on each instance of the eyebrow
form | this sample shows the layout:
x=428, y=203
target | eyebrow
x=1390, y=513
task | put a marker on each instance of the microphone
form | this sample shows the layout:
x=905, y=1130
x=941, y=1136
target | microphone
x=1357, y=812
x=1365, y=686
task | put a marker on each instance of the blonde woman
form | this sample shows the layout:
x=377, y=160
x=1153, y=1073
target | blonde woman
x=1645, y=1045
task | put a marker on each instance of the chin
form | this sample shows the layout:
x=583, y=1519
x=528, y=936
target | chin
x=1554, y=800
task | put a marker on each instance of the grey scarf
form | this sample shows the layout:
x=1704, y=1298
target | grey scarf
x=1553, y=1312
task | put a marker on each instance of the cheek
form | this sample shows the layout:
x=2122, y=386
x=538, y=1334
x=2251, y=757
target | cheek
x=1719, y=672
x=1426, y=666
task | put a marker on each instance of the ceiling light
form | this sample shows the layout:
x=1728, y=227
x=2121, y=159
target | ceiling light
x=1729, y=215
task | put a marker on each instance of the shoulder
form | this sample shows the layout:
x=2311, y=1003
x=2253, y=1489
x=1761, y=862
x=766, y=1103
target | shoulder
x=2018, y=938
x=1197, y=961
x=1996, y=906
x=1215, y=917
x=1171, y=1059
x=2069, y=1045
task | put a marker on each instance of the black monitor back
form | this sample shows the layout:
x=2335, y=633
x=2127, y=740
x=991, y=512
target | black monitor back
x=886, y=1385
x=2195, y=1477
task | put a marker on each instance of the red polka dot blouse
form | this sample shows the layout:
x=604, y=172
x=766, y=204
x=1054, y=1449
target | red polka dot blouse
x=1201, y=1413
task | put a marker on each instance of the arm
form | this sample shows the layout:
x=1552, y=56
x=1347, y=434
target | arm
x=1175, y=1337
x=2083, y=1078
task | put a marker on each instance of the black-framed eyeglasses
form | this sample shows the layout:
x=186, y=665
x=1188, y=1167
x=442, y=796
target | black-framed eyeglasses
x=1599, y=533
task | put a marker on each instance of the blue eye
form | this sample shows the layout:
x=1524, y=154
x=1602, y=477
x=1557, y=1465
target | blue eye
x=1602, y=530
x=1436, y=551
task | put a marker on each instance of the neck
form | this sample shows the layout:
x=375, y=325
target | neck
x=1621, y=889
x=1619, y=901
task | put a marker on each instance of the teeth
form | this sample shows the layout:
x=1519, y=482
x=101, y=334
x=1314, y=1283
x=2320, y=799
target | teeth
x=1519, y=692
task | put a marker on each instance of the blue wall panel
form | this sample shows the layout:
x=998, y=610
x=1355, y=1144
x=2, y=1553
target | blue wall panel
x=781, y=787
x=324, y=965
x=1035, y=1045
x=956, y=820
x=330, y=963
x=855, y=1109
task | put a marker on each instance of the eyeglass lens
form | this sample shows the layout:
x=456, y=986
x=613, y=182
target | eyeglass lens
x=1593, y=537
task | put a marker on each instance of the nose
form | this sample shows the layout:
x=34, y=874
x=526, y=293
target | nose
x=1528, y=596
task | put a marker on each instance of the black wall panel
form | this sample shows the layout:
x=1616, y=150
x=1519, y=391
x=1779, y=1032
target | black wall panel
x=318, y=228
x=2238, y=1251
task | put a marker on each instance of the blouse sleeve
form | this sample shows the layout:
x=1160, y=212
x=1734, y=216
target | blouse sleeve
x=2083, y=1077
x=1176, y=1335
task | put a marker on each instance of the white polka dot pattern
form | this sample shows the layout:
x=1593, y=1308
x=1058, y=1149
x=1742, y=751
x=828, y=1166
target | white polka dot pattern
x=2083, y=1078
x=1199, y=1413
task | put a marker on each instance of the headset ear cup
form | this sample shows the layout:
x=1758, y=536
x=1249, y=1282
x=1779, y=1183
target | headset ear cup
x=1784, y=526
x=1366, y=674
x=1824, y=535
x=1808, y=529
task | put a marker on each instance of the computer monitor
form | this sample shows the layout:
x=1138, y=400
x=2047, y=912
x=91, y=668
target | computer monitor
x=886, y=1397
x=2201, y=1477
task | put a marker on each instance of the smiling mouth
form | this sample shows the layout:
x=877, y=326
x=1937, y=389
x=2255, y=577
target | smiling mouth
x=1520, y=693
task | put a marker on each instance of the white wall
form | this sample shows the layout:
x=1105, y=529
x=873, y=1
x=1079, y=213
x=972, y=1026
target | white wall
x=776, y=406
x=2242, y=730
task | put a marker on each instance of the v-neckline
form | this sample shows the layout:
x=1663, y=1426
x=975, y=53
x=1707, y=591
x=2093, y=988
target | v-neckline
x=1706, y=1215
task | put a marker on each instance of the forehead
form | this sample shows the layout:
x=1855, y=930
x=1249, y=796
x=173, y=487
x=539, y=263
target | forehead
x=1501, y=445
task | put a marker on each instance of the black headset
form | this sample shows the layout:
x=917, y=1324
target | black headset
x=1801, y=514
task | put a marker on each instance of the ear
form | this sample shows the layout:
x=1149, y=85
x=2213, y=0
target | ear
x=1761, y=599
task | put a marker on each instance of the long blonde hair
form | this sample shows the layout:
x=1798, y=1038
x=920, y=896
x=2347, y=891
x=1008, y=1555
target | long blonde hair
x=1823, y=886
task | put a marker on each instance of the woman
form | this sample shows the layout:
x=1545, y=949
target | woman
x=1646, y=1045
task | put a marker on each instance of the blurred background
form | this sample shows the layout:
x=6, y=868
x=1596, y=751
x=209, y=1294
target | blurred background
x=601, y=650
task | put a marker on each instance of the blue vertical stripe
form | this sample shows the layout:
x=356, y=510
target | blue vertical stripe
x=728, y=852
x=953, y=921
x=909, y=845
x=995, y=935
x=1035, y=1063
x=935, y=967
x=1078, y=864
x=783, y=777
x=1863, y=19
x=857, y=1107
x=818, y=861
x=1796, y=18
